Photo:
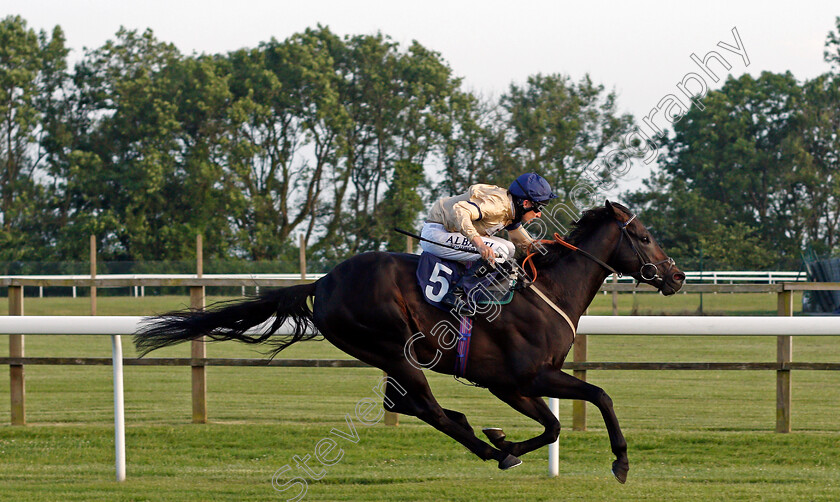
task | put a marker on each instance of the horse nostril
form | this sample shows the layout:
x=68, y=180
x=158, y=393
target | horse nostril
x=679, y=277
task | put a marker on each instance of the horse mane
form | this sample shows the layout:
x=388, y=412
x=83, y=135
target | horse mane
x=588, y=221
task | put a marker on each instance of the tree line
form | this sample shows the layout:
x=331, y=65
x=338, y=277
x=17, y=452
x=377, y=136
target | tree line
x=340, y=139
x=754, y=178
x=326, y=136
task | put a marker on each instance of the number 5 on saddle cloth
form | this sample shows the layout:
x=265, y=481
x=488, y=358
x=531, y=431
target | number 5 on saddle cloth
x=437, y=278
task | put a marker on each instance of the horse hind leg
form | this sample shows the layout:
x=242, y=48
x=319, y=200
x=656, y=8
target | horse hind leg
x=394, y=401
x=407, y=389
x=531, y=407
x=418, y=401
x=460, y=419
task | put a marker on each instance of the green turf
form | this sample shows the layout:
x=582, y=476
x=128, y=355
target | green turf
x=692, y=435
x=411, y=462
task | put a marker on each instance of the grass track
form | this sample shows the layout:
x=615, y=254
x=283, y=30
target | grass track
x=692, y=435
x=412, y=462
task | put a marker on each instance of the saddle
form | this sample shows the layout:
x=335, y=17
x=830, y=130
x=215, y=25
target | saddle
x=437, y=278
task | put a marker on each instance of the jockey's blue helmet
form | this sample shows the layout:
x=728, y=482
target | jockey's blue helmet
x=533, y=187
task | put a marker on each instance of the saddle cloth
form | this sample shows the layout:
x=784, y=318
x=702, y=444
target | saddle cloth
x=437, y=277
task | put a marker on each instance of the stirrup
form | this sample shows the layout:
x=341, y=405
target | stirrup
x=458, y=300
x=522, y=282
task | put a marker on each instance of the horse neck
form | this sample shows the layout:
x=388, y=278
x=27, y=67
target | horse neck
x=576, y=279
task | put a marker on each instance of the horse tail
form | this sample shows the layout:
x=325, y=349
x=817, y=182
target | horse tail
x=234, y=320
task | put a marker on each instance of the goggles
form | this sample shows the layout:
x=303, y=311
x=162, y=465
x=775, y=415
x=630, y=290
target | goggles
x=537, y=206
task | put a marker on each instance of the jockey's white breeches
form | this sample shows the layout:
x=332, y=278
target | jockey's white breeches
x=437, y=233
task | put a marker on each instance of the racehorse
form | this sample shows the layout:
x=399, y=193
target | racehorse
x=370, y=307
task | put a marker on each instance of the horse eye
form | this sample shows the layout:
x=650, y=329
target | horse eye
x=645, y=239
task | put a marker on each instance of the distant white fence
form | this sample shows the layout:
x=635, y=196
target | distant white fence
x=137, y=282
x=732, y=276
x=737, y=276
x=254, y=280
x=784, y=327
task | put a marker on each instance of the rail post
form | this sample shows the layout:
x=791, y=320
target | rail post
x=17, y=384
x=579, y=407
x=784, y=355
x=92, y=275
x=391, y=418
x=554, y=448
x=119, y=406
x=198, y=349
x=302, y=257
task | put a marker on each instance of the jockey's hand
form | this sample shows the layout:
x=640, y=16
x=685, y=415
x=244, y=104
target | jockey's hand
x=486, y=251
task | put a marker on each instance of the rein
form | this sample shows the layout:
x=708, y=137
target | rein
x=559, y=240
x=646, y=265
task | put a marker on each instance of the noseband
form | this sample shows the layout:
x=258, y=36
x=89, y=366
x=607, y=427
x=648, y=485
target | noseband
x=648, y=271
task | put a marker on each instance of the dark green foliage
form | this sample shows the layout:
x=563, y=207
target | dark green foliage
x=331, y=138
x=751, y=179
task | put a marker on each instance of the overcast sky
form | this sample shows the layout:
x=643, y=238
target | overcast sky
x=641, y=49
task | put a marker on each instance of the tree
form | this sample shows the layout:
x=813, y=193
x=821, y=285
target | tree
x=753, y=178
x=123, y=172
x=731, y=176
x=816, y=185
x=400, y=205
x=465, y=144
x=138, y=152
x=209, y=200
x=395, y=102
x=832, y=46
x=559, y=129
x=318, y=135
x=31, y=67
x=287, y=107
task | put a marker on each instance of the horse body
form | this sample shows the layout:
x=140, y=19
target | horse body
x=534, y=335
x=370, y=307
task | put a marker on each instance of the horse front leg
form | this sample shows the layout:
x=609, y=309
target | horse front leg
x=555, y=383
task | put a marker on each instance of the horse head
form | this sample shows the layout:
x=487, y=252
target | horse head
x=638, y=255
x=615, y=239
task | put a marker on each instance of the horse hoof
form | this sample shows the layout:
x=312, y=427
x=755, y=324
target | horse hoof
x=620, y=472
x=509, y=462
x=494, y=434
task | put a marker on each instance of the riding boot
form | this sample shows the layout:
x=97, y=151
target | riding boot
x=457, y=296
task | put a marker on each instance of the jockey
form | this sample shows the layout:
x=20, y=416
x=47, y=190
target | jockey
x=470, y=220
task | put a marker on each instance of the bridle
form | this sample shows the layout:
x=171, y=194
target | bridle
x=648, y=270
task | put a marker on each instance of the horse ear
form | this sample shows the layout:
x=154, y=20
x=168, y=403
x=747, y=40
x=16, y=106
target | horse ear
x=615, y=211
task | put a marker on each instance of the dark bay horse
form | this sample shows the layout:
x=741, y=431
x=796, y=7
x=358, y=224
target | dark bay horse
x=370, y=307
